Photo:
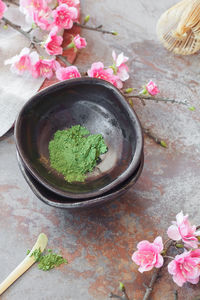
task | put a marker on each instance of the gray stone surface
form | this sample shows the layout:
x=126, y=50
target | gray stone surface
x=99, y=242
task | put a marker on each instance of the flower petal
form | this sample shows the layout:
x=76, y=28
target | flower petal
x=173, y=233
x=159, y=243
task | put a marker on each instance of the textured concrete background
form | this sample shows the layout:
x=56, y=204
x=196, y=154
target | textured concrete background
x=99, y=242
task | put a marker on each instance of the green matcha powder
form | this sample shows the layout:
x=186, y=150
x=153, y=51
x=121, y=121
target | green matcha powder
x=74, y=152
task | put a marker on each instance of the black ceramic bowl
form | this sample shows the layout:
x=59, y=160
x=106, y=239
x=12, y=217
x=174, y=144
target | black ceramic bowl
x=58, y=201
x=101, y=108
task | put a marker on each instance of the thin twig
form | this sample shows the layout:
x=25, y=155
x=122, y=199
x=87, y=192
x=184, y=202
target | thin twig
x=13, y=2
x=124, y=297
x=167, y=256
x=147, y=131
x=29, y=31
x=175, y=295
x=156, y=99
x=16, y=27
x=123, y=290
x=155, y=276
x=115, y=296
x=64, y=60
x=165, y=243
x=152, y=282
x=33, y=40
x=156, y=139
x=98, y=28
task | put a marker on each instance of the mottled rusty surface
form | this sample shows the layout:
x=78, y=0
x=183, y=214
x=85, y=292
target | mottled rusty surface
x=99, y=242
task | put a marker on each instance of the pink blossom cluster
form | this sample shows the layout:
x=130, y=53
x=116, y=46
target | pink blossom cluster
x=52, y=20
x=185, y=267
x=28, y=62
x=3, y=8
x=77, y=42
x=115, y=74
x=43, y=15
x=150, y=88
x=97, y=70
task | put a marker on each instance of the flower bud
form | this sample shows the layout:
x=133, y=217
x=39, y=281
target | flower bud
x=86, y=19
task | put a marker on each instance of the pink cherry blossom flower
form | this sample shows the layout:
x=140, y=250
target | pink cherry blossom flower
x=20, y=63
x=152, y=88
x=185, y=267
x=64, y=16
x=182, y=229
x=45, y=68
x=97, y=70
x=53, y=42
x=148, y=255
x=79, y=42
x=69, y=2
x=31, y=6
x=42, y=19
x=119, y=66
x=67, y=73
x=3, y=8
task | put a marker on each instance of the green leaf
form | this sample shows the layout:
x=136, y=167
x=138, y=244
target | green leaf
x=198, y=238
x=130, y=101
x=144, y=91
x=179, y=246
x=192, y=108
x=71, y=45
x=114, y=68
x=86, y=19
x=121, y=287
x=114, y=32
x=5, y=27
x=163, y=252
x=28, y=251
x=129, y=90
x=163, y=144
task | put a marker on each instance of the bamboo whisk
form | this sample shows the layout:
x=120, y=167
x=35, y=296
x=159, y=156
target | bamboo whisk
x=179, y=27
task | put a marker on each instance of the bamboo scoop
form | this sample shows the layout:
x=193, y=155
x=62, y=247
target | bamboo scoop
x=29, y=260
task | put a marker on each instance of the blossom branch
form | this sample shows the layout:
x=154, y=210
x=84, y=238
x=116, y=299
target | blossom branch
x=13, y=2
x=175, y=295
x=156, y=99
x=64, y=60
x=149, y=255
x=98, y=28
x=124, y=297
x=147, y=131
x=156, y=139
x=156, y=274
x=118, y=297
x=17, y=28
x=33, y=40
x=151, y=284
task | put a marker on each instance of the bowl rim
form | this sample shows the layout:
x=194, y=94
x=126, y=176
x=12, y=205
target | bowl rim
x=88, y=203
x=72, y=83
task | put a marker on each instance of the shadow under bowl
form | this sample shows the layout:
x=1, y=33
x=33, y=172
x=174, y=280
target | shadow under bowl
x=55, y=200
x=101, y=108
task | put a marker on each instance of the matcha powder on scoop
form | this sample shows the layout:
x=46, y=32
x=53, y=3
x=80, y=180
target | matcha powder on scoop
x=74, y=152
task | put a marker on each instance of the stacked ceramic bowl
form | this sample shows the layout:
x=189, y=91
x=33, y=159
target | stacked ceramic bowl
x=101, y=108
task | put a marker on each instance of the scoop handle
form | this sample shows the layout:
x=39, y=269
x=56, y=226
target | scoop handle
x=16, y=273
x=29, y=260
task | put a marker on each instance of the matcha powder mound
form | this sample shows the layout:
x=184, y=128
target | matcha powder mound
x=74, y=152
